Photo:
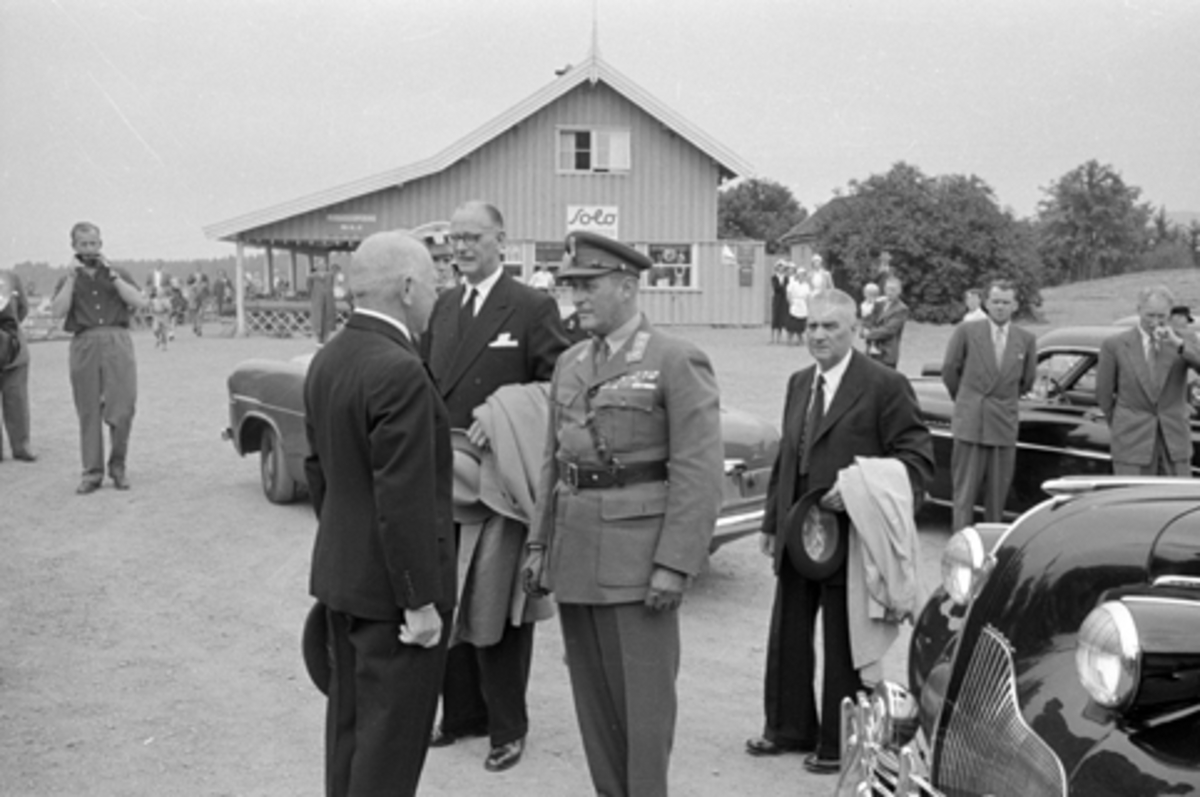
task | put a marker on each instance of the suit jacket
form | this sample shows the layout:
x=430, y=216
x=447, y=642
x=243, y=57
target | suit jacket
x=873, y=414
x=515, y=339
x=885, y=328
x=379, y=474
x=986, y=393
x=656, y=399
x=1136, y=407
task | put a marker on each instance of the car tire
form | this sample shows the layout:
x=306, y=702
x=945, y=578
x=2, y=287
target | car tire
x=278, y=485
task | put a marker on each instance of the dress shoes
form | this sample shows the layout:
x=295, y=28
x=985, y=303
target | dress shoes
x=444, y=738
x=25, y=456
x=87, y=486
x=821, y=766
x=504, y=756
x=762, y=747
x=120, y=482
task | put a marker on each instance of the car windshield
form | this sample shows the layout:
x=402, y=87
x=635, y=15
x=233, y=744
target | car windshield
x=1060, y=373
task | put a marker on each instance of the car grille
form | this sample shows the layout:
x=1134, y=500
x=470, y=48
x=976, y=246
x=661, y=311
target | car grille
x=986, y=746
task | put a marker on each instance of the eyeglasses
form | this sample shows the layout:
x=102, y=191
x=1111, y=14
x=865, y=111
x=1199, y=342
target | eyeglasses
x=469, y=238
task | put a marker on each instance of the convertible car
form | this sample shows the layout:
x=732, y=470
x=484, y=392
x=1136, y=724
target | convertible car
x=266, y=415
x=1062, y=430
x=1059, y=658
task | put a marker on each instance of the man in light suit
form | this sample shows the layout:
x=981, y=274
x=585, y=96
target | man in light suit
x=885, y=328
x=379, y=473
x=1141, y=386
x=989, y=364
x=489, y=332
x=629, y=497
x=853, y=407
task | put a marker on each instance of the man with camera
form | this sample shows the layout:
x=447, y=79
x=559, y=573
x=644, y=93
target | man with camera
x=1141, y=386
x=96, y=302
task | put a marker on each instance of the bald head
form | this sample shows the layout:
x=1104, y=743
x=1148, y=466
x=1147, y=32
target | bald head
x=393, y=273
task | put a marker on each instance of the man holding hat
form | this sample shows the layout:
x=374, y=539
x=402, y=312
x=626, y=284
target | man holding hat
x=486, y=333
x=627, y=503
x=845, y=406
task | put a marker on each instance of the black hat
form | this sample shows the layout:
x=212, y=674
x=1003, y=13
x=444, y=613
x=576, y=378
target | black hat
x=1183, y=310
x=314, y=643
x=816, y=538
x=592, y=255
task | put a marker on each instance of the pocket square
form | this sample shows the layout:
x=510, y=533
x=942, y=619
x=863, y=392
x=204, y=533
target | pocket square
x=504, y=340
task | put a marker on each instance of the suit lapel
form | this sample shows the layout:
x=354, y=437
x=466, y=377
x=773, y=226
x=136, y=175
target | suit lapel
x=495, y=311
x=799, y=409
x=850, y=389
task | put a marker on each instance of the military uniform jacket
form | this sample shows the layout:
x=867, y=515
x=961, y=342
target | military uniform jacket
x=986, y=393
x=656, y=399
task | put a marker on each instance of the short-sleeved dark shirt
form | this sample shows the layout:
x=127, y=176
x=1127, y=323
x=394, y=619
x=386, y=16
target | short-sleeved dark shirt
x=96, y=302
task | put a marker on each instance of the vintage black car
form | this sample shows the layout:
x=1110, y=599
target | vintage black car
x=1061, y=656
x=266, y=415
x=1062, y=431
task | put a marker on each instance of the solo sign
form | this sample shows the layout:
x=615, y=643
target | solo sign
x=602, y=219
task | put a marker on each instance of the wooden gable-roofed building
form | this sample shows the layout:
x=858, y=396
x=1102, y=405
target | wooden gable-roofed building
x=591, y=150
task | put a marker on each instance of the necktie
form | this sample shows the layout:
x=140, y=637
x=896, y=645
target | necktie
x=1000, y=343
x=812, y=422
x=466, y=313
x=1152, y=348
x=600, y=351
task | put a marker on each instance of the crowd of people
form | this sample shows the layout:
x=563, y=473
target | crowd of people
x=598, y=479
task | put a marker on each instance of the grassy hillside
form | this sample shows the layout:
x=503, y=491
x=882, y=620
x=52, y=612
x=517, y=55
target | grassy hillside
x=1105, y=300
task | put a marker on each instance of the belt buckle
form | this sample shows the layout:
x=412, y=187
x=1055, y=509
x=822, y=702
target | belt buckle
x=570, y=475
x=617, y=471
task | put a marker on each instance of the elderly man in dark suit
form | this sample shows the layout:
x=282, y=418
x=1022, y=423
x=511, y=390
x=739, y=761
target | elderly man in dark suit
x=629, y=496
x=379, y=473
x=884, y=329
x=1141, y=386
x=489, y=332
x=844, y=406
x=989, y=364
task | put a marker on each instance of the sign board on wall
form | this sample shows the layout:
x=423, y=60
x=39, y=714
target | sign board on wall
x=351, y=225
x=602, y=219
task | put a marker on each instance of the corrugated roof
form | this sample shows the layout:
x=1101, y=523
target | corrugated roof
x=594, y=69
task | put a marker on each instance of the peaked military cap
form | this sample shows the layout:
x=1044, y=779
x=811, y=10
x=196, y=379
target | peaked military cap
x=592, y=255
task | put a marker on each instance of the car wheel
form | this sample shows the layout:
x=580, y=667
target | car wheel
x=278, y=485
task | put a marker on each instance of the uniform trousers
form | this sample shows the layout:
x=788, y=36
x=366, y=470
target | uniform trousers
x=484, y=687
x=791, y=708
x=382, y=703
x=14, y=405
x=974, y=465
x=623, y=660
x=104, y=381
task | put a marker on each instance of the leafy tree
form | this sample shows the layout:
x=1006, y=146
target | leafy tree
x=1090, y=224
x=760, y=210
x=939, y=235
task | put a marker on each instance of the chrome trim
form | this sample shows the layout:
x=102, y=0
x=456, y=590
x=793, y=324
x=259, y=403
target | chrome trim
x=986, y=737
x=1083, y=453
x=1183, y=582
x=1159, y=599
x=260, y=403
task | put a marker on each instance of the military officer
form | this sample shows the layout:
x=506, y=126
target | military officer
x=627, y=504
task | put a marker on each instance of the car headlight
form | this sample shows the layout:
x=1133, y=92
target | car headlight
x=965, y=565
x=1108, y=655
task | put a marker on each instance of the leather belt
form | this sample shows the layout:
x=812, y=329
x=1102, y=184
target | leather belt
x=598, y=477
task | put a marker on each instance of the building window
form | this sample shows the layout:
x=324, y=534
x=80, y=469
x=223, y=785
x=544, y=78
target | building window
x=513, y=260
x=595, y=151
x=549, y=256
x=673, y=266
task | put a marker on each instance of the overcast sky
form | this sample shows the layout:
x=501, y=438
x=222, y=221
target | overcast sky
x=156, y=118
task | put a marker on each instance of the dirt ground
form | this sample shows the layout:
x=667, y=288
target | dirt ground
x=149, y=640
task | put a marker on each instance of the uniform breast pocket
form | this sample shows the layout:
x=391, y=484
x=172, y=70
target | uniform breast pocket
x=629, y=532
x=630, y=419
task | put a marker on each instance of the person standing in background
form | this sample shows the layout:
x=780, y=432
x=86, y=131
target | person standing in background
x=1141, y=387
x=96, y=301
x=798, y=291
x=779, y=301
x=988, y=365
x=323, y=307
x=884, y=330
x=14, y=367
x=973, y=299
